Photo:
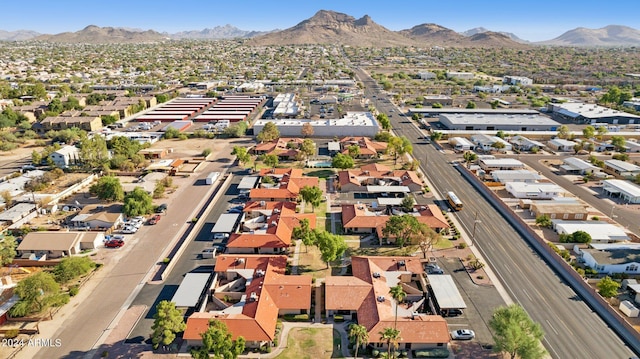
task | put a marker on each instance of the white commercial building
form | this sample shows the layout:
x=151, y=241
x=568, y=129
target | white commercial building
x=533, y=190
x=590, y=113
x=498, y=121
x=626, y=190
x=352, y=124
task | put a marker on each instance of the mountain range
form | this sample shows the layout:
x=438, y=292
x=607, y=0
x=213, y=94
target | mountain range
x=329, y=27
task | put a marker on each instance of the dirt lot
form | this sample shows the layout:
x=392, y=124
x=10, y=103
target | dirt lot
x=11, y=161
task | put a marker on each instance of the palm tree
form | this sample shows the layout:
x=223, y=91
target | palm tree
x=398, y=295
x=359, y=334
x=391, y=337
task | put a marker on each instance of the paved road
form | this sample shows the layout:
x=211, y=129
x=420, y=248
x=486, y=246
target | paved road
x=570, y=325
x=91, y=318
x=190, y=260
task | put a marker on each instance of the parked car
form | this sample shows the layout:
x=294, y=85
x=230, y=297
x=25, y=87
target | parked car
x=433, y=268
x=451, y=312
x=161, y=208
x=129, y=230
x=236, y=209
x=155, y=219
x=463, y=334
x=114, y=243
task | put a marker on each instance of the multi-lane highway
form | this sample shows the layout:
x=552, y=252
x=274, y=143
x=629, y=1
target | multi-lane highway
x=572, y=329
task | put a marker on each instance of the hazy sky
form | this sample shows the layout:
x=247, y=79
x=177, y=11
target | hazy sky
x=529, y=20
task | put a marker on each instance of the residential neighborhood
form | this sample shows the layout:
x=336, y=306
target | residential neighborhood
x=332, y=189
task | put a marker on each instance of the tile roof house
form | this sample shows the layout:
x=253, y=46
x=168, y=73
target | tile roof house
x=267, y=228
x=63, y=123
x=365, y=295
x=259, y=292
x=288, y=182
x=368, y=148
x=286, y=148
x=358, y=218
x=377, y=175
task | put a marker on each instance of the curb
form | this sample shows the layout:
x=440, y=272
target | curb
x=472, y=278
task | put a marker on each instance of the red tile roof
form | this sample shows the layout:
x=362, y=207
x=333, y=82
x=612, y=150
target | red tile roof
x=358, y=216
x=291, y=181
x=274, y=291
x=278, y=233
x=361, y=291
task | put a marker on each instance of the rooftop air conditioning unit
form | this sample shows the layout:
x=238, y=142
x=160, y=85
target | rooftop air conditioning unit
x=376, y=275
x=380, y=298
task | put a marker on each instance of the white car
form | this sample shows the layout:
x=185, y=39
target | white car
x=463, y=334
x=129, y=230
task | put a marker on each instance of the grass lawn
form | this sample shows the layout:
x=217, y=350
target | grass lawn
x=312, y=343
x=310, y=262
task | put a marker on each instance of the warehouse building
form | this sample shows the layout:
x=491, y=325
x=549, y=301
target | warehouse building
x=491, y=122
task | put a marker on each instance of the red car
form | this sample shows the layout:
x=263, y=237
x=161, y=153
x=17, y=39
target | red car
x=114, y=243
x=155, y=219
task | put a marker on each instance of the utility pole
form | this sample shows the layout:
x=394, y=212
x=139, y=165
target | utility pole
x=473, y=232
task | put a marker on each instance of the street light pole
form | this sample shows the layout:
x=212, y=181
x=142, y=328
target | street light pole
x=473, y=232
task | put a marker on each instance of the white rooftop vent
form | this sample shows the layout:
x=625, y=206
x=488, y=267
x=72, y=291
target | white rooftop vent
x=376, y=275
x=380, y=298
x=274, y=223
x=253, y=296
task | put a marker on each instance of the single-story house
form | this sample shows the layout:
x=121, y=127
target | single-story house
x=364, y=297
x=58, y=244
x=573, y=165
x=98, y=217
x=534, y=190
x=249, y=293
x=515, y=176
x=626, y=190
x=611, y=258
x=522, y=143
x=377, y=175
x=572, y=211
x=600, y=231
x=621, y=168
x=486, y=143
x=561, y=145
x=367, y=147
x=493, y=164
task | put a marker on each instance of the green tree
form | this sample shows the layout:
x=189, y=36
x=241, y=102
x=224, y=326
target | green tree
x=608, y=288
x=383, y=136
x=311, y=195
x=358, y=335
x=516, y=334
x=38, y=292
x=242, y=154
x=125, y=146
x=71, y=268
x=471, y=104
x=218, y=341
x=390, y=336
x=162, y=98
x=469, y=157
x=563, y=131
x=436, y=136
x=269, y=133
x=589, y=132
x=331, y=246
x=171, y=132
x=407, y=204
x=399, y=146
x=498, y=145
x=580, y=237
x=7, y=250
x=308, y=147
x=426, y=238
x=618, y=142
x=168, y=321
x=137, y=203
x=36, y=157
x=398, y=294
x=270, y=160
x=108, y=188
x=501, y=134
x=601, y=132
x=354, y=151
x=94, y=152
x=236, y=130
x=342, y=161
x=403, y=228
x=304, y=232
x=544, y=221
x=384, y=121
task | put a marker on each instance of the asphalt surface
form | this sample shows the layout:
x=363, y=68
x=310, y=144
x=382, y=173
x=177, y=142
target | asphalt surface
x=189, y=261
x=570, y=325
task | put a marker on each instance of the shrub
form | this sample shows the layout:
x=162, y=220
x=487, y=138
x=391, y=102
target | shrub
x=73, y=291
x=462, y=245
x=194, y=219
x=166, y=260
x=12, y=333
x=595, y=218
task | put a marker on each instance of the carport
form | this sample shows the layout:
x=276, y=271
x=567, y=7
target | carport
x=444, y=291
x=191, y=290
